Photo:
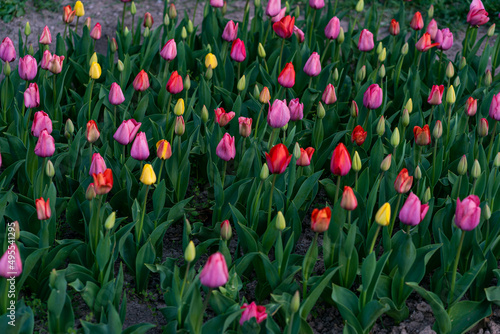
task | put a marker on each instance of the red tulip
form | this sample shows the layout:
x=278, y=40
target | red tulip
x=424, y=43
x=175, y=83
x=468, y=213
x=92, y=131
x=305, y=156
x=284, y=27
x=394, y=28
x=141, y=81
x=253, y=311
x=287, y=76
x=7, y=50
x=214, y=274
x=238, y=51
x=320, y=219
x=222, y=117
x=436, y=95
x=340, y=163
x=103, y=182
x=45, y=146
x=403, y=182
x=358, y=135
x=278, y=159
x=422, y=135
x=43, y=211
x=349, y=201
x=46, y=38
x=417, y=23
x=41, y=121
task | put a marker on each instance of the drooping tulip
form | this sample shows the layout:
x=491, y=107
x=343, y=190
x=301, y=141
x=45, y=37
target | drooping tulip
x=41, y=121
x=279, y=114
x=45, y=146
x=413, y=211
x=320, y=219
x=126, y=132
x=287, y=76
x=98, y=165
x=468, y=213
x=140, y=148
x=214, y=274
x=222, y=117
x=7, y=50
x=372, y=99
x=340, y=163
x=403, y=181
x=141, y=81
x=278, y=159
x=175, y=83
x=32, y=96
x=238, y=51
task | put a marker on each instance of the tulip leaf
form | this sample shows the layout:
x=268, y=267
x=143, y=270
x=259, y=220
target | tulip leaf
x=466, y=314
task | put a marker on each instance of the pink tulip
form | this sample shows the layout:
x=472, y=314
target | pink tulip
x=296, y=109
x=126, y=131
x=273, y=7
x=45, y=146
x=445, y=39
x=96, y=31
x=332, y=29
x=245, y=126
x=7, y=50
x=56, y=64
x=313, y=65
x=252, y=310
x=45, y=63
x=115, y=95
x=226, y=149
x=43, y=210
x=436, y=95
x=372, y=99
x=299, y=33
x=349, y=201
x=217, y=3
x=214, y=274
x=279, y=114
x=141, y=81
x=41, y=121
x=468, y=213
x=305, y=156
x=32, y=96
x=169, y=50
x=140, y=148
x=238, y=51
x=287, y=76
x=98, y=165
x=366, y=41
x=11, y=266
x=495, y=107
x=471, y=106
x=230, y=32
x=222, y=117
x=329, y=96
x=317, y=4
x=413, y=211
x=477, y=14
x=280, y=15
x=432, y=28
x=27, y=68
x=46, y=38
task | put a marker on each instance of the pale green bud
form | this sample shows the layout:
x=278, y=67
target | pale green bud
x=456, y=83
x=382, y=55
x=450, y=95
x=296, y=151
x=241, y=83
x=450, y=70
x=295, y=303
x=261, y=51
x=409, y=105
x=297, y=11
x=437, y=132
x=264, y=172
x=361, y=73
x=462, y=166
x=356, y=162
x=209, y=73
x=52, y=278
x=379, y=48
x=487, y=78
x=190, y=27
x=256, y=92
x=386, y=163
x=6, y=69
x=404, y=49
x=190, y=252
x=256, y=3
x=224, y=8
x=166, y=20
x=406, y=118
x=463, y=62
x=31, y=51
x=187, y=82
x=360, y=6
x=430, y=13
x=121, y=67
x=110, y=221
x=126, y=32
x=476, y=169
x=335, y=74
x=184, y=33
x=381, y=71
x=280, y=221
x=204, y=114
x=486, y=212
x=427, y=195
x=491, y=30
x=496, y=161
x=395, y=138
x=321, y=111
x=69, y=128
x=418, y=173
x=27, y=29
x=187, y=226
x=381, y=126
x=146, y=32
x=49, y=169
x=341, y=37
x=133, y=9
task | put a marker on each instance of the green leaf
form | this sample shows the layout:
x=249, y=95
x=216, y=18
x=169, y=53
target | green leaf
x=312, y=298
x=466, y=314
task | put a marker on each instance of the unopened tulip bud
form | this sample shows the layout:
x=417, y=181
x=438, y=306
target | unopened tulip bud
x=126, y=32
x=382, y=55
x=113, y=45
x=386, y=163
x=482, y=127
x=209, y=48
x=146, y=32
x=184, y=33
x=110, y=221
x=381, y=126
x=179, y=107
x=450, y=70
x=180, y=126
x=284, y=127
x=356, y=162
x=437, y=132
x=172, y=12
x=296, y=151
x=204, y=114
x=395, y=138
x=430, y=13
x=256, y=3
x=360, y=6
x=187, y=82
x=27, y=29
x=190, y=27
x=409, y=105
x=418, y=173
x=264, y=172
x=93, y=59
x=487, y=78
x=52, y=278
x=6, y=69
x=209, y=73
x=321, y=111
x=476, y=169
x=49, y=169
x=224, y=8
x=31, y=51
x=491, y=30
x=496, y=161
x=456, y=82
x=190, y=252
x=462, y=64
x=379, y=48
x=241, y=83
x=226, y=232
x=361, y=73
x=133, y=8
x=166, y=20
x=261, y=51
x=406, y=118
x=404, y=49
x=280, y=221
x=297, y=11
x=427, y=195
x=462, y=166
x=247, y=8
x=335, y=74
x=486, y=212
x=69, y=128
x=17, y=230
x=381, y=71
x=295, y=303
x=121, y=67
x=256, y=92
x=354, y=109
x=450, y=95
x=341, y=37
x=90, y=194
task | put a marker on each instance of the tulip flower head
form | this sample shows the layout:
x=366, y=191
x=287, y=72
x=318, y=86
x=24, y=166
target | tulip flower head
x=372, y=99
x=313, y=65
x=329, y=96
x=413, y=211
x=340, y=163
x=96, y=31
x=417, y=23
x=214, y=274
x=332, y=29
x=92, y=131
x=210, y=61
x=320, y=219
x=477, y=15
x=394, y=28
x=148, y=176
x=358, y=135
x=317, y=4
x=445, y=39
x=68, y=14
x=403, y=181
x=226, y=150
x=32, y=96
x=141, y=81
x=365, y=42
x=45, y=146
x=55, y=64
x=471, y=106
x=98, y=164
x=169, y=50
x=436, y=95
x=222, y=117
x=148, y=20
x=468, y=213
x=127, y=131
x=43, y=211
x=432, y=29
x=11, y=266
x=238, y=51
x=253, y=310
x=299, y=33
x=115, y=94
x=495, y=107
x=279, y=114
x=296, y=109
x=230, y=32
x=140, y=148
x=46, y=37
x=349, y=201
x=422, y=135
x=27, y=68
x=163, y=149
x=103, y=182
x=175, y=83
x=383, y=215
x=7, y=50
x=278, y=159
x=425, y=43
x=305, y=157
x=280, y=15
x=79, y=9
x=245, y=126
x=41, y=121
x=287, y=76
x=284, y=27
x=273, y=7
x=95, y=70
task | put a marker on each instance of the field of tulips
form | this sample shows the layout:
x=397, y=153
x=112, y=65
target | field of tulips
x=309, y=161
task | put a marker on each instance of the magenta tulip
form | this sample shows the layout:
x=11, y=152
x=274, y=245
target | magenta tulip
x=217, y=3
x=432, y=28
x=32, y=96
x=372, y=99
x=27, y=68
x=98, y=165
x=41, y=121
x=299, y=33
x=45, y=146
x=413, y=211
x=317, y=4
x=238, y=51
x=495, y=107
x=169, y=50
x=115, y=95
x=226, y=149
x=332, y=29
x=126, y=132
x=7, y=50
x=279, y=114
x=313, y=65
x=477, y=14
x=273, y=7
x=214, y=274
x=11, y=266
x=296, y=109
x=253, y=310
x=140, y=148
x=230, y=32
x=468, y=213
x=445, y=39
x=366, y=41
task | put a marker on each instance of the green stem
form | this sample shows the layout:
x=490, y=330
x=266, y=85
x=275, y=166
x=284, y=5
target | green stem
x=133, y=16
x=374, y=239
x=337, y=191
x=434, y=161
x=141, y=222
x=159, y=174
x=271, y=139
x=76, y=25
x=55, y=92
x=325, y=51
x=309, y=42
x=459, y=185
x=178, y=188
x=185, y=276
x=306, y=274
x=258, y=120
x=269, y=211
x=224, y=174
x=195, y=7
x=492, y=141
x=123, y=16
x=430, y=116
x=391, y=227
x=25, y=87
x=454, y=272
x=281, y=54
x=90, y=98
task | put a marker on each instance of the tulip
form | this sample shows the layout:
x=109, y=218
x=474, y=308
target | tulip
x=222, y=117
x=329, y=96
x=214, y=274
x=284, y=27
x=366, y=41
x=477, y=15
x=217, y=3
x=313, y=65
x=317, y=4
x=163, y=149
x=148, y=20
x=358, y=135
x=372, y=99
x=482, y=128
x=299, y=33
x=438, y=129
x=296, y=109
x=383, y=215
x=349, y=201
x=320, y=219
x=386, y=163
x=432, y=28
x=253, y=311
x=179, y=126
x=238, y=51
x=98, y=165
x=287, y=76
x=46, y=38
x=230, y=32
x=140, y=149
x=280, y=15
x=115, y=94
x=172, y=12
x=278, y=159
x=87, y=22
x=436, y=95
x=43, y=211
x=68, y=14
x=394, y=28
x=445, y=39
x=245, y=126
x=141, y=81
x=354, y=110
x=424, y=43
x=103, y=182
x=95, y=70
x=92, y=131
x=175, y=83
x=403, y=182
x=169, y=50
x=79, y=10
x=7, y=50
x=90, y=193
x=148, y=176
x=210, y=61
x=305, y=157
x=332, y=29
x=422, y=135
x=273, y=7
x=45, y=146
x=340, y=163
x=41, y=121
x=96, y=31
x=226, y=149
x=279, y=114
x=11, y=263
x=471, y=106
x=126, y=131
x=264, y=95
x=27, y=68
x=32, y=96
x=55, y=64
x=225, y=230
x=417, y=23
x=495, y=107
x=413, y=211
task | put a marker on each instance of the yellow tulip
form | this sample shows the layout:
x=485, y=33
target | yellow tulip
x=210, y=60
x=95, y=70
x=148, y=175
x=79, y=10
x=179, y=107
x=383, y=215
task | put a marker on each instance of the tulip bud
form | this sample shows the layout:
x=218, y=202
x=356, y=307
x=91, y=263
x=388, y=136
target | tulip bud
x=476, y=169
x=486, y=212
x=264, y=172
x=190, y=27
x=133, y=8
x=386, y=163
x=360, y=6
x=382, y=55
x=462, y=64
x=113, y=45
x=224, y=8
x=321, y=111
x=187, y=82
x=356, y=162
x=93, y=59
x=354, y=109
x=450, y=70
x=297, y=11
x=341, y=37
x=456, y=82
x=409, y=105
x=264, y=96
x=209, y=48
x=172, y=12
x=179, y=107
x=487, y=78
x=180, y=126
x=296, y=151
x=190, y=252
x=430, y=13
x=256, y=92
x=406, y=118
x=226, y=231
x=126, y=32
x=49, y=169
x=241, y=83
x=284, y=127
x=379, y=48
x=17, y=230
x=110, y=221
x=462, y=166
x=395, y=138
x=6, y=69
x=287, y=6
x=166, y=20
x=482, y=128
x=404, y=49
x=335, y=74
x=361, y=73
x=31, y=51
x=69, y=128
x=381, y=126
x=450, y=95
x=496, y=161
x=280, y=221
x=491, y=30
x=52, y=278
x=437, y=132
x=209, y=73
x=121, y=67
x=261, y=51
x=204, y=114
x=256, y=3
x=146, y=32
x=383, y=215
x=427, y=195
x=27, y=29
x=90, y=193
x=295, y=303
x=418, y=173
x=184, y=33
x=381, y=71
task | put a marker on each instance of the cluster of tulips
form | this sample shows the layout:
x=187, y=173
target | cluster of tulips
x=260, y=108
